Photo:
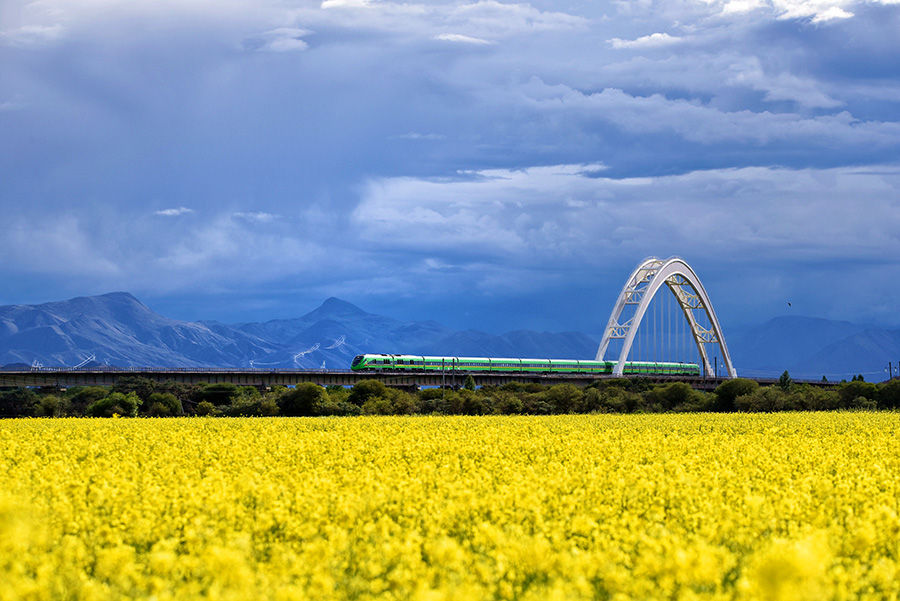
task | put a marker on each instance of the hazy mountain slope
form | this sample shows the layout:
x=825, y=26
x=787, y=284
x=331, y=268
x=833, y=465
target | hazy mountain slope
x=783, y=341
x=810, y=348
x=117, y=329
x=867, y=353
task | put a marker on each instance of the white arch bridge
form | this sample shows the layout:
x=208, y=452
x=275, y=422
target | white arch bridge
x=682, y=326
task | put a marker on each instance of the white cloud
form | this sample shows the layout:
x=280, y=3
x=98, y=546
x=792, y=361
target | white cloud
x=817, y=10
x=696, y=11
x=284, y=39
x=830, y=13
x=28, y=36
x=174, y=212
x=414, y=135
x=461, y=39
x=804, y=91
x=706, y=124
x=473, y=22
x=543, y=215
x=345, y=4
x=654, y=40
x=259, y=217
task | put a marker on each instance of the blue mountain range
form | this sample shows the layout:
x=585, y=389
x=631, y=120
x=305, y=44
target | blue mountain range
x=117, y=329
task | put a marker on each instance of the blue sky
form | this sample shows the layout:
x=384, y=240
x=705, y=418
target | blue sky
x=490, y=165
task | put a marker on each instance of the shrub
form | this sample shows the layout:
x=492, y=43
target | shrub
x=116, y=403
x=889, y=394
x=850, y=391
x=564, y=398
x=163, y=404
x=765, y=399
x=507, y=403
x=365, y=390
x=727, y=392
x=217, y=394
x=81, y=397
x=17, y=402
x=205, y=408
x=669, y=396
x=51, y=406
x=304, y=399
x=811, y=398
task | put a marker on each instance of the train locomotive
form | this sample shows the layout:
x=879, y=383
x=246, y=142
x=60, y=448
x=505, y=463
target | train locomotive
x=382, y=362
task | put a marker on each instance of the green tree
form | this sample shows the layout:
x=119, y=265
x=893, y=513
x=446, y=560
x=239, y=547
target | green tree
x=564, y=398
x=667, y=397
x=81, y=397
x=472, y=403
x=205, y=408
x=219, y=394
x=142, y=387
x=470, y=383
x=17, y=402
x=849, y=392
x=767, y=399
x=507, y=403
x=404, y=403
x=889, y=394
x=116, y=403
x=365, y=390
x=337, y=393
x=728, y=391
x=814, y=398
x=163, y=404
x=785, y=382
x=51, y=406
x=304, y=399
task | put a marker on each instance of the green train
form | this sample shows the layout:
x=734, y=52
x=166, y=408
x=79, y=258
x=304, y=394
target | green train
x=372, y=362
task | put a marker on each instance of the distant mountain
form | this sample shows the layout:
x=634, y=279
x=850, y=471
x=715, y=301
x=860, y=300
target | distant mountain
x=117, y=329
x=811, y=348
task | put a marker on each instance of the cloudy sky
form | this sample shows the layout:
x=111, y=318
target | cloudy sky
x=487, y=164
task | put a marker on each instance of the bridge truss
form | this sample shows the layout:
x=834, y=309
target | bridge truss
x=691, y=299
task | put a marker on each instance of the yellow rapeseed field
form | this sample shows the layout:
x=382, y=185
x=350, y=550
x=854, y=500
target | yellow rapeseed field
x=780, y=506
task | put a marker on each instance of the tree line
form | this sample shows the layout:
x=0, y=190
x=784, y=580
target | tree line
x=137, y=396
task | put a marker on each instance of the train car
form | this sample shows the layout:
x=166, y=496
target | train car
x=384, y=362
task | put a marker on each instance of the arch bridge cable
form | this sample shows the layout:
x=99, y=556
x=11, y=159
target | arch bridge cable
x=682, y=326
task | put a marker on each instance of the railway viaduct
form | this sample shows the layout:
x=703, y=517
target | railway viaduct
x=65, y=378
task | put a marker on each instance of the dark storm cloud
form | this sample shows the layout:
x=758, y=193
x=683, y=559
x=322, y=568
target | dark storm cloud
x=385, y=151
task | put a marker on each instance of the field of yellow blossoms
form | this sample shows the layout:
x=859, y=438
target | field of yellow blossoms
x=778, y=506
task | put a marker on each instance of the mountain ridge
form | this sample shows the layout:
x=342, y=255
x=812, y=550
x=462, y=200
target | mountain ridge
x=118, y=329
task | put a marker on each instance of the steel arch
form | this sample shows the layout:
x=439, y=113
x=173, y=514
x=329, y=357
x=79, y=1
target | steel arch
x=640, y=288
